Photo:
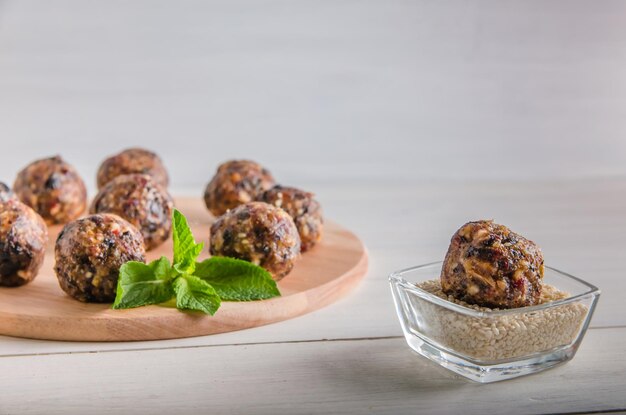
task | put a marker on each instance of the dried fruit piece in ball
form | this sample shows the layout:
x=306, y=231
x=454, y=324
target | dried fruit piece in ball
x=142, y=202
x=133, y=161
x=6, y=193
x=259, y=233
x=53, y=189
x=302, y=207
x=23, y=239
x=236, y=182
x=489, y=265
x=89, y=253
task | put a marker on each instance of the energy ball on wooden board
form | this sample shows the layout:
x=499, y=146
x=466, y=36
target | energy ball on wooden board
x=236, y=182
x=302, y=207
x=142, y=202
x=89, y=253
x=133, y=160
x=259, y=233
x=489, y=265
x=53, y=189
x=23, y=239
x=6, y=193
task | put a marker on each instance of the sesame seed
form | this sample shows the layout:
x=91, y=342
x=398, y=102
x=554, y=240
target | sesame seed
x=500, y=337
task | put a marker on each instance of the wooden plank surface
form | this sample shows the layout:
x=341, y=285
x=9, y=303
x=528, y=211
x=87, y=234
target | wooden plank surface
x=319, y=377
x=578, y=224
x=349, y=357
x=299, y=366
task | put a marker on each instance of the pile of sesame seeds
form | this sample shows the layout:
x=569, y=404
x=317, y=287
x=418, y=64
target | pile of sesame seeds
x=501, y=336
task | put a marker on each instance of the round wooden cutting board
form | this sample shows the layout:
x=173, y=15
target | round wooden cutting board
x=41, y=310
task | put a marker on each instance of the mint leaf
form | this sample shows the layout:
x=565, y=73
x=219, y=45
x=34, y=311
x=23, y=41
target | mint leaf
x=194, y=294
x=161, y=268
x=185, y=248
x=237, y=280
x=138, y=285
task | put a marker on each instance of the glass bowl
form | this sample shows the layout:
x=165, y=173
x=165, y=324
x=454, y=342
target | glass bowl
x=491, y=345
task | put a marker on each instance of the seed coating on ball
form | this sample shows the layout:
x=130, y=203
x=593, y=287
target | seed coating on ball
x=489, y=265
x=305, y=211
x=236, y=182
x=53, y=189
x=23, y=239
x=133, y=161
x=259, y=233
x=141, y=201
x=89, y=253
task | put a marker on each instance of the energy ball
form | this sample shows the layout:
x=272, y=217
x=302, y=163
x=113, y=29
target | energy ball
x=259, y=233
x=133, y=160
x=305, y=211
x=89, y=253
x=53, y=189
x=142, y=202
x=236, y=182
x=23, y=239
x=489, y=265
x=6, y=193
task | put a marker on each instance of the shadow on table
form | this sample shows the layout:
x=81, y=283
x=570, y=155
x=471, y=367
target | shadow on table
x=389, y=365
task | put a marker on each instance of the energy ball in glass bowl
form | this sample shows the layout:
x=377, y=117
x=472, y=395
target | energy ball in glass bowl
x=89, y=253
x=6, y=193
x=53, y=189
x=489, y=265
x=142, y=202
x=259, y=233
x=131, y=161
x=236, y=182
x=302, y=207
x=23, y=239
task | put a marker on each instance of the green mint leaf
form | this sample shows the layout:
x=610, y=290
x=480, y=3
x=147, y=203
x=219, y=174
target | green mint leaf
x=185, y=248
x=161, y=268
x=194, y=294
x=138, y=285
x=237, y=280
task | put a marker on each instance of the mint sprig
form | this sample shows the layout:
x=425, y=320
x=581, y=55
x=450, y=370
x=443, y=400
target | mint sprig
x=198, y=286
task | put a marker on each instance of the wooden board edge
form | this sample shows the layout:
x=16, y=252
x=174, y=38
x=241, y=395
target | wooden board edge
x=145, y=329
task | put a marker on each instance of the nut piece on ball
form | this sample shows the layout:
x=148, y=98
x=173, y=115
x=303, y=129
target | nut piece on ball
x=53, y=189
x=302, y=207
x=23, y=239
x=259, y=233
x=89, y=253
x=236, y=182
x=142, y=202
x=489, y=265
x=133, y=160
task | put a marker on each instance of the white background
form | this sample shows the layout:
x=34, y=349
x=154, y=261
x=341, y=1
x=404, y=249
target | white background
x=319, y=91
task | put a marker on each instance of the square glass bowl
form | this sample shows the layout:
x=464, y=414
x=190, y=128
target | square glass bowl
x=488, y=346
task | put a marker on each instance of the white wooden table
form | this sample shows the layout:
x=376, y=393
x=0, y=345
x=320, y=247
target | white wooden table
x=350, y=357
